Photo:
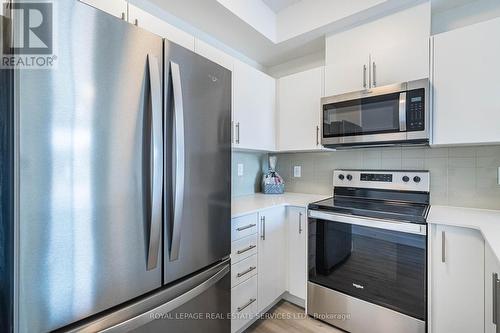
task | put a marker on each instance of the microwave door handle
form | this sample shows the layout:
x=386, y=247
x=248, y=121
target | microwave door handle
x=402, y=112
x=179, y=164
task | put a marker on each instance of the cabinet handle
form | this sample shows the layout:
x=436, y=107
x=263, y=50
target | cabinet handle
x=317, y=135
x=123, y=16
x=238, y=133
x=250, y=302
x=494, y=298
x=300, y=223
x=443, y=247
x=246, y=249
x=374, y=69
x=246, y=272
x=263, y=227
x=246, y=227
x=136, y=22
x=364, y=76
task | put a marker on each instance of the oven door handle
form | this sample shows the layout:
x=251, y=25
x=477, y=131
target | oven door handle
x=406, y=227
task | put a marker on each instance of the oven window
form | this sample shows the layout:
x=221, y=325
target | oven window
x=372, y=115
x=384, y=267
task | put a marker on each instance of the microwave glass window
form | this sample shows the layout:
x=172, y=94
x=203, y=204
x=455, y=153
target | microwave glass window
x=373, y=115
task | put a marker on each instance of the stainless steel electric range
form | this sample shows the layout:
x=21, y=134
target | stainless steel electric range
x=367, y=260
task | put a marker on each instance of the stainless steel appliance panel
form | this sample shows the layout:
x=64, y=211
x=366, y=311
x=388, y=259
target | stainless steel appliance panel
x=88, y=161
x=197, y=164
x=357, y=316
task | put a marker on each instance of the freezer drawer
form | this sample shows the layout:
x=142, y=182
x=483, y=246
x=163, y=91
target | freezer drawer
x=198, y=304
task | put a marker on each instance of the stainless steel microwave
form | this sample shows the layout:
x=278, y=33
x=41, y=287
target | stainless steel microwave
x=392, y=115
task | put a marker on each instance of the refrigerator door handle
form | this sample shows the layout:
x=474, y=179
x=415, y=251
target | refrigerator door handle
x=179, y=164
x=157, y=163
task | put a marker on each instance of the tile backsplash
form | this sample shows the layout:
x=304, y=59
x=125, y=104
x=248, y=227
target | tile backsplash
x=460, y=176
x=254, y=164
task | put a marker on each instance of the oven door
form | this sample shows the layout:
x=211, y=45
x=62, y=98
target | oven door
x=377, y=261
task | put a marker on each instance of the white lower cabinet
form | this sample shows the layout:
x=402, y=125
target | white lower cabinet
x=296, y=222
x=492, y=274
x=457, y=280
x=243, y=304
x=271, y=252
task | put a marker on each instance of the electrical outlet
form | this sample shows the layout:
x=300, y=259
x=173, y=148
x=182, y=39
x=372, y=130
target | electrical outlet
x=240, y=170
x=297, y=171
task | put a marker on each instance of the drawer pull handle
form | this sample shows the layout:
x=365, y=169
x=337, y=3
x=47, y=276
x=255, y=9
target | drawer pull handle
x=246, y=227
x=250, y=302
x=247, y=249
x=246, y=272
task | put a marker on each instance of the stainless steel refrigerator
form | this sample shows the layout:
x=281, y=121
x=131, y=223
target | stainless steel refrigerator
x=115, y=184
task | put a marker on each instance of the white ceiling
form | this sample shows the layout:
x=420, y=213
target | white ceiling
x=278, y=5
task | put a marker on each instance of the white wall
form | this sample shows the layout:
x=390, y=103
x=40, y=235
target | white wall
x=255, y=13
x=457, y=17
x=306, y=15
x=301, y=64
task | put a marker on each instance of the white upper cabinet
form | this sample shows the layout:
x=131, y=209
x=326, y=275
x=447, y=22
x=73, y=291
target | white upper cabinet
x=254, y=104
x=456, y=280
x=214, y=54
x=389, y=50
x=466, y=85
x=299, y=105
x=116, y=8
x=157, y=26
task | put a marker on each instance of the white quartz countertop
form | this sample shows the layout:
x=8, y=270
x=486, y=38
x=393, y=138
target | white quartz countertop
x=255, y=202
x=486, y=221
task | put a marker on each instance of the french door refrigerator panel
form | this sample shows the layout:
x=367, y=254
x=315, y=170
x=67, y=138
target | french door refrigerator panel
x=197, y=163
x=88, y=237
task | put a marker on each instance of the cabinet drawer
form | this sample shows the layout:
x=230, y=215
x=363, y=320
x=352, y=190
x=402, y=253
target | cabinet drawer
x=243, y=226
x=243, y=270
x=243, y=303
x=243, y=248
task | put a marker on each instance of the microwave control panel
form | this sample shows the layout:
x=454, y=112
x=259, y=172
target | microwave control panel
x=415, y=112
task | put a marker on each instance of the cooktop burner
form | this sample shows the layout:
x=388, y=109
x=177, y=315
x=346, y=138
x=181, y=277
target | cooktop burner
x=392, y=195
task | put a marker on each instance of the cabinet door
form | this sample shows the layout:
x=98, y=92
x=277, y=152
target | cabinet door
x=299, y=110
x=404, y=53
x=271, y=253
x=297, y=254
x=116, y=8
x=466, y=85
x=457, y=278
x=492, y=266
x=161, y=28
x=254, y=108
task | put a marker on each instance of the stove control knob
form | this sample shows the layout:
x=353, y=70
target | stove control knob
x=341, y=177
x=349, y=177
x=416, y=179
x=406, y=179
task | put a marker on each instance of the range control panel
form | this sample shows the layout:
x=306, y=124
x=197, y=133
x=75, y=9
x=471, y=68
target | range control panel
x=405, y=180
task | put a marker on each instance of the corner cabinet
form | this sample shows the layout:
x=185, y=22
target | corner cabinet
x=271, y=252
x=299, y=110
x=457, y=280
x=296, y=221
x=116, y=8
x=254, y=104
x=390, y=50
x=466, y=69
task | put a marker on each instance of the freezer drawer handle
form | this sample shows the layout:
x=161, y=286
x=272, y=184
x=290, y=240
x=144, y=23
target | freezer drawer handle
x=179, y=164
x=252, y=268
x=246, y=227
x=156, y=178
x=246, y=249
x=250, y=302
x=148, y=316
